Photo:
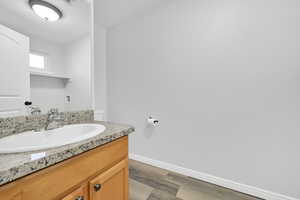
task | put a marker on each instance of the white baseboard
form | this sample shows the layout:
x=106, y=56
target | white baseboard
x=254, y=191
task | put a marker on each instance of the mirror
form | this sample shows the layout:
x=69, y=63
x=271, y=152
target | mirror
x=45, y=56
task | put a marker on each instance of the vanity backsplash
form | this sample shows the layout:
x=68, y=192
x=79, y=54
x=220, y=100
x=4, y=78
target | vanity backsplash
x=14, y=125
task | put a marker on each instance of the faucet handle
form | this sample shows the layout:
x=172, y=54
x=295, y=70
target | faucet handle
x=35, y=110
x=53, y=111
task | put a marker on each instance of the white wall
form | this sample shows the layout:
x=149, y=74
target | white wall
x=223, y=78
x=55, y=54
x=100, y=68
x=73, y=60
x=48, y=92
x=78, y=67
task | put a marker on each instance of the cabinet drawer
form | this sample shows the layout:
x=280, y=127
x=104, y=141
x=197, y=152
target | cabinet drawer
x=57, y=181
x=79, y=194
x=112, y=184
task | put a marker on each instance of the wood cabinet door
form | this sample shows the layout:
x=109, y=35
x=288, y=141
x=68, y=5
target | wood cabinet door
x=79, y=194
x=16, y=197
x=14, y=74
x=112, y=184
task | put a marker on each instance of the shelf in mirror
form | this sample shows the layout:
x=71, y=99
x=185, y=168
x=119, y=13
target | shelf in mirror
x=49, y=75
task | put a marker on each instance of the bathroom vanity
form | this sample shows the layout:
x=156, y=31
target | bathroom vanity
x=93, y=169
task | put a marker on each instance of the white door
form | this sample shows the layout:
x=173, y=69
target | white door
x=14, y=74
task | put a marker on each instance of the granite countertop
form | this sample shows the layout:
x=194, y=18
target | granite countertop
x=17, y=165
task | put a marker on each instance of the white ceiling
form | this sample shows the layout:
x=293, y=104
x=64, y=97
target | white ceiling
x=112, y=12
x=75, y=23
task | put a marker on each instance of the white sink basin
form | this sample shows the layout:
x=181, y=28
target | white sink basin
x=34, y=141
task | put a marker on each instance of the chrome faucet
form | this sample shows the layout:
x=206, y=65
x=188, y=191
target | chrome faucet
x=54, y=119
x=35, y=110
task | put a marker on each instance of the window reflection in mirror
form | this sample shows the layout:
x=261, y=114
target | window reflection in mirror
x=37, y=61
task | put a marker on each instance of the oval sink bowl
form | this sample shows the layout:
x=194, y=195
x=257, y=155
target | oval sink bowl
x=34, y=141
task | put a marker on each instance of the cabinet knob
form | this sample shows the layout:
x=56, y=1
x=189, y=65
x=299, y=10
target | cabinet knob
x=80, y=198
x=97, y=187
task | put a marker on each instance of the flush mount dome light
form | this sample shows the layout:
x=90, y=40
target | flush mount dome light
x=45, y=10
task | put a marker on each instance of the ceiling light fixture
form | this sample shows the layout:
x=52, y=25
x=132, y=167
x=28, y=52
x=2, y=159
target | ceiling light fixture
x=45, y=10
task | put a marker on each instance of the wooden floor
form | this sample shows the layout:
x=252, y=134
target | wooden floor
x=151, y=183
